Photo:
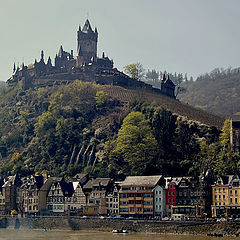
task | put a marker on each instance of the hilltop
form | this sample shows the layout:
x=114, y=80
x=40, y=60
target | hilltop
x=74, y=128
x=217, y=92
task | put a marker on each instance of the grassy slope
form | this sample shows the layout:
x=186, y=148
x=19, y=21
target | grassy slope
x=191, y=113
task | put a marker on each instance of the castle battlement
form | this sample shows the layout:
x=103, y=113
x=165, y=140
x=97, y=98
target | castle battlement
x=85, y=66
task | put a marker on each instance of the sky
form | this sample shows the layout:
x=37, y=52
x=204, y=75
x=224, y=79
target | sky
x=188, y=36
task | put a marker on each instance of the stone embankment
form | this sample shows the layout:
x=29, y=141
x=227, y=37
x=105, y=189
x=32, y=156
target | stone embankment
x=63, y=223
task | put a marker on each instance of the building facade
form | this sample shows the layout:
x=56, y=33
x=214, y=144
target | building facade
x=137, y=196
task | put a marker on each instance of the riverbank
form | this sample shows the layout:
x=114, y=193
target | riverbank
x=165, y=227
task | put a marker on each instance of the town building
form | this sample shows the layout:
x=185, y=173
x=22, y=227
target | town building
x=96, y=191
x=220, y=198
x=170, y=195
x=142, y=196
x=28, y=198
x=112, y=200
x=59, y=191
x=226, y=197
x=9, y=192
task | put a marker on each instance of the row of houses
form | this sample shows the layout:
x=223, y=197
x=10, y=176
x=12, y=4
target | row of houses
x=136, y=196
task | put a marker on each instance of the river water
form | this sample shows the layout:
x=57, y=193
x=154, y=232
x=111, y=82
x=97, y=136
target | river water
x=9, y=234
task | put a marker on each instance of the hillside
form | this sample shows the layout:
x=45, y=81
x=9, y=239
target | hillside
x=2, y=84
x=217, y=92
x=191, y=113
x=76, y=128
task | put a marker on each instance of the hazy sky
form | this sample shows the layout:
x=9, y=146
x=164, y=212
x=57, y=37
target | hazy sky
x=193, y=36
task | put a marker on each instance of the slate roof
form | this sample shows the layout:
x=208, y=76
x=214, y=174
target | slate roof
x=96, y=182
x=87, y=27
x=47, y=185
x=141, y=180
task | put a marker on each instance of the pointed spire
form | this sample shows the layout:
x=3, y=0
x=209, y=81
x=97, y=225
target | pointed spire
x=96, y=30
x=103, y=55
x=49, y=61
x=164, y=77
x=60, y=53
x=35, y=61
x=79, y=28
x=42, y=56
x=14, y=67
x=87, y=27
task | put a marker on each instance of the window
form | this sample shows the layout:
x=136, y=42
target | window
x=139, y=209
x=231, y=192
x=123, y=202
x=236, y=192
x=219, y=197
x=231, y=200
x=172, y=193
x=148, y=210
x=219, y=189
x=215, y=189
x=223, y=197
x=236, y=200
x=123, y=196
x=131, y=209
x=123, y=209
x=169, y=200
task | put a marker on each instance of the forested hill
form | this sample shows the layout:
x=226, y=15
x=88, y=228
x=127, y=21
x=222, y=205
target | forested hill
x=104, y=131
x=217, y=92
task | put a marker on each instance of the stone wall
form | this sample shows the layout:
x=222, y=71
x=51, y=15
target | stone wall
x=63, y=223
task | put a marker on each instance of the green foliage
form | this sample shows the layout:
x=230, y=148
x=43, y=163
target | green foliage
x=135, y=70
x=136, y=143
x=101, y=98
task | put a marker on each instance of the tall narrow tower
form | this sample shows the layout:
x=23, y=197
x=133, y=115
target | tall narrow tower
x=87, y=42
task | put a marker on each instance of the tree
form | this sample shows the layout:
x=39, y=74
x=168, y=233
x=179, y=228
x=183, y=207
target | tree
x=135, y=70
x=152, y=75
x=136, y=143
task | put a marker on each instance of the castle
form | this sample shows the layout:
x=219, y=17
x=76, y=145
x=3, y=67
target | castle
x=85, y=66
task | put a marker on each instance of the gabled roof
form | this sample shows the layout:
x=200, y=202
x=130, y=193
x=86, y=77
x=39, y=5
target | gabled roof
x=224, y=180
x=47, y=185
x=141, y=181
x=11, y=180
x=97, y=182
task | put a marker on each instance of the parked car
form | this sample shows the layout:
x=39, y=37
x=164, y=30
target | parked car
x=221, y=219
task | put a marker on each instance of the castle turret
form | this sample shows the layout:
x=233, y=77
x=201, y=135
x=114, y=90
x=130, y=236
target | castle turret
x=42, y=56
x=14, y=68
x=60, y=53
x=167, y=86
x=49, y=61
x=87, y=42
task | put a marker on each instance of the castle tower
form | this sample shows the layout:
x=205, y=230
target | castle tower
x=87, y=42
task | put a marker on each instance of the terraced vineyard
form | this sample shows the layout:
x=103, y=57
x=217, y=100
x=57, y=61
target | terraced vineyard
x=175, y=106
